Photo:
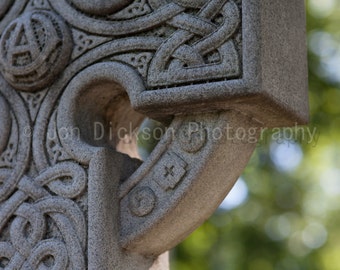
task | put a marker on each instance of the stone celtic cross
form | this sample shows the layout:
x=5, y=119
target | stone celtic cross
x=214, y=71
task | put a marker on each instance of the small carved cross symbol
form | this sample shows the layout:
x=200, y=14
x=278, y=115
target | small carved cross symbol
x=169, y=170
x=173, y=169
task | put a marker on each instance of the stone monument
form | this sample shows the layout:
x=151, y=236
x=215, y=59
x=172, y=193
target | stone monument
x=212, y=71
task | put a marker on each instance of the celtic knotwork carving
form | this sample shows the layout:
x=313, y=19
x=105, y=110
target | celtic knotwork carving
x=68, y=66
x=49, y=252
x=57, y=235
x=200, y=41
x=33, y=101
x=140, y=61
x=181, y=60
x=47, y=203
x=55, y=151
x=42, y=4
x=84, y=42
x=49, y=195
x=106, y=27
x=136, y=9
x=16, y=155
x=34, y=49
x=206, y=44
x=7, y=157
x=8, y=137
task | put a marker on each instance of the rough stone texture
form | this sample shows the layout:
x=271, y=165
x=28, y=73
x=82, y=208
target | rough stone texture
x=73, y=69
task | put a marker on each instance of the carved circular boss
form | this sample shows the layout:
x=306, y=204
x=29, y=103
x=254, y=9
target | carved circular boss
x=34, y=49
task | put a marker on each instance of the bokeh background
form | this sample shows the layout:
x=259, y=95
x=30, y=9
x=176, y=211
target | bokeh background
x=284, y=212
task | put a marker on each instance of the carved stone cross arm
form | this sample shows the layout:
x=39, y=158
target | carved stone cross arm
x=75, y=73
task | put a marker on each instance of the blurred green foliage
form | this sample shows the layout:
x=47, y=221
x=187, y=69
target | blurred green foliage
x=290, y=219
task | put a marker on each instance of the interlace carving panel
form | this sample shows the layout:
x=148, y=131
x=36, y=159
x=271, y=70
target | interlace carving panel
x=43, y=46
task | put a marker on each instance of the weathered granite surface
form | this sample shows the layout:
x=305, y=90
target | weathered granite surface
x=214, y=72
